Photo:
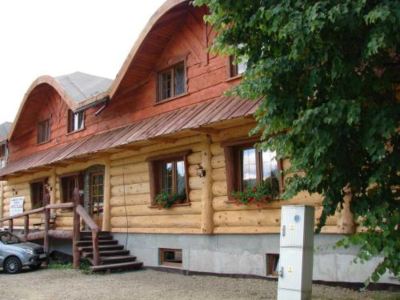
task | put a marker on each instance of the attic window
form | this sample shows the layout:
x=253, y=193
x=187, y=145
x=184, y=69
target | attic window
x=3, y=155
x=172, y=82
x=43, y=132
x=76, y=121
x=236, y=68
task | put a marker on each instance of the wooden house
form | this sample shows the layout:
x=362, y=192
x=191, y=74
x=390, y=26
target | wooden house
x=156, y=155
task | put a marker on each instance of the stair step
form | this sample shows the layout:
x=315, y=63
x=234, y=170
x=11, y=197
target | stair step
x=114, y=259
x=101, y=233
x=106, y=253
x=102, y=247
x=101, y=237
x=83, y=243
x=119, y=266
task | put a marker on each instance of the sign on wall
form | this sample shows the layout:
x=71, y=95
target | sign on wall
x=16, y=205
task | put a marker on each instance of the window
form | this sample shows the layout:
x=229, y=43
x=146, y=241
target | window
x=171, y=257
x=169, y=176
x=68, y=184
x=248, y=167
x=37, y=194
x=43, y=131
x=272, y=265
x=96, y=193
x=76, y=121
x=236, y=69
x=3, y=155
x=172, y=82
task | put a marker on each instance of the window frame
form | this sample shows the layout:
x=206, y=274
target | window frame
x=71, y=121
x=171, y=68
x=3, y=155
x=232, y=152
x=42, y=181
x=233, y=69
x=91, y=194
x=47, y=134
x=79, y=179
x=154, y=164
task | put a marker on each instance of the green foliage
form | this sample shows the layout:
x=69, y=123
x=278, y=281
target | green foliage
x=166, y=200
x=326, y=72
x=263, y=192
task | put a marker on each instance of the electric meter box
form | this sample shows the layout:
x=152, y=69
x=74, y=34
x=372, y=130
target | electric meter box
x=296, y=252
x=297, y=226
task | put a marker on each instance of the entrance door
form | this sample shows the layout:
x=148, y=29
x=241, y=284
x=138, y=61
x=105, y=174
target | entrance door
x=96, y=196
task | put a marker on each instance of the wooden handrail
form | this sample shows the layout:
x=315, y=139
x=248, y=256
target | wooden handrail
x=39, y=210
x=30, y=212
x=86, y=218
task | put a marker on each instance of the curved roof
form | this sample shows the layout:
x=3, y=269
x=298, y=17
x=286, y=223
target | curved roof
x=77, y=90
x=163, y=22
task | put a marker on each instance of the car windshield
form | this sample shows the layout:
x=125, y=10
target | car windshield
x=8, y=238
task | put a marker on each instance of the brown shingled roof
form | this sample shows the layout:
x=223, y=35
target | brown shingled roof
x=190, y=117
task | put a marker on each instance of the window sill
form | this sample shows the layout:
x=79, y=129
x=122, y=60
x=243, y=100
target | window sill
x=175, y=205
x=73, y=132
x=43, y=143
x=234, y=78
x=171, y=99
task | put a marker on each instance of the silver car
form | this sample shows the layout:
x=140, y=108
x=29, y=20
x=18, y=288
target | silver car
x=14, y=254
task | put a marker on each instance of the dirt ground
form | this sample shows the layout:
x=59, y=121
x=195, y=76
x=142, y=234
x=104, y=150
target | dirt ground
x=67, y=284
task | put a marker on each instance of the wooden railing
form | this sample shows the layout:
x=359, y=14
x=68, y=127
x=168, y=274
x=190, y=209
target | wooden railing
x=78, y=213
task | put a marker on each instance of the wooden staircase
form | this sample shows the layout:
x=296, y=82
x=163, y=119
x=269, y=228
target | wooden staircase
x=112, y=255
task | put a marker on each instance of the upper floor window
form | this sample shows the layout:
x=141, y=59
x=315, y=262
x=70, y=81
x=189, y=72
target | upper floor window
x=172, y=82
x=169, y=180
x=236, y=68
x=43, y=132
x=3, y=155
x=76, y=121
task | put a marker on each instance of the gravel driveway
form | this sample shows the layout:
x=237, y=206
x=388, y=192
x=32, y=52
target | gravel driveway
x=53, y=284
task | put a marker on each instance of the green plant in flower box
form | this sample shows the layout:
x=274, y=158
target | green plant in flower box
x=166, y=200
x=265, y=191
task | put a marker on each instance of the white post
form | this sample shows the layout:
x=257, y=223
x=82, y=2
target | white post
x=296, y=252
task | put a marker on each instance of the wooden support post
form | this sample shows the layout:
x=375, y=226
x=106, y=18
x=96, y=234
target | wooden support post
x=46, y=230
x=107, y=197
x=346, y=224
x=207, y=211
x=76, y=231
x=53, y=183
x=26, y=227
x=1, y=201
x=11, y=225
x=95, y=242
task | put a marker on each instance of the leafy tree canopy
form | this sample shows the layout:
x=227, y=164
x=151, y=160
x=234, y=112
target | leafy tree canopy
x=327, y=73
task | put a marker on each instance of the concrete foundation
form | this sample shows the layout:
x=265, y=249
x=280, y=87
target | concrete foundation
x=246, y=255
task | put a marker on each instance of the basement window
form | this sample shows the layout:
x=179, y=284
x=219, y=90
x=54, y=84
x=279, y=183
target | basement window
x=171, y=82
x=43, y=132
x=272, y=265
x=171, y=257
x=76, y=121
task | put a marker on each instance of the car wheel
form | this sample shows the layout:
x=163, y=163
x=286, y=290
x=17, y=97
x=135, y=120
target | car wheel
x=35, y=267
x=12, y=265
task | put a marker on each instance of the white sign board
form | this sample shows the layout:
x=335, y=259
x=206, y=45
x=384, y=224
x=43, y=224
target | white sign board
x=16, y=205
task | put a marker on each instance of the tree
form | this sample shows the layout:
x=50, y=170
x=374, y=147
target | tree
x=327, y=73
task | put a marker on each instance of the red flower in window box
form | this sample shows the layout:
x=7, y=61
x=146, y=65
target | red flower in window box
x=264, y=192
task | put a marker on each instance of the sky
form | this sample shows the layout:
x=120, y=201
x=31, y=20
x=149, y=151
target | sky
x=57, y=37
